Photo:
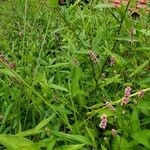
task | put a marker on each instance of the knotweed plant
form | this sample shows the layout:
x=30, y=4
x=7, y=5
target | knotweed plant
x=74, y=75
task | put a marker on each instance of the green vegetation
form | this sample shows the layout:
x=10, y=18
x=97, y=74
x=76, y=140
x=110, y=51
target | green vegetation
x=61, y=65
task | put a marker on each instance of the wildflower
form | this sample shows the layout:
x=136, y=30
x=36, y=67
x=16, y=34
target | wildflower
x=93, y=57
x=114, y=132
x=116, y=3
x=127, y=91
x=141, y=93
x=112, y=61
x=141, y=3
x=125, y=101
x=110, y=106
x=103, y=123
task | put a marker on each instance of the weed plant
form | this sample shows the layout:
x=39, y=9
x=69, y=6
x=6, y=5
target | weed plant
x=74, y=77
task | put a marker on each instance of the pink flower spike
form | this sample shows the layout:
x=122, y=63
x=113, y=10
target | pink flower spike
x=127, y=91
x=125, y=101
x=116, y=3
x=141, y=93
x=103, y=123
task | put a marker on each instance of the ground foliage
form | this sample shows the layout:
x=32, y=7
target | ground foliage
x=60, y=64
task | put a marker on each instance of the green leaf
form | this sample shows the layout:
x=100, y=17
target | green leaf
x=102, y=5
x=106, y=111
x=135, y=123
x=142, y=137
x=7, y=72
x=72, y=137
x=139, y=68
x=70, y=147
x=58, y=87
x=14, y=142
x=6, y=114
x=126, y=39
x=111, y=80
x=58, y=65
x=74, y=5
x=103, y=148
x=48, y=143
x=143, y=48
x=44, y=122
x=38, y=128
x=29, y=132
x=145, y=32
x=92, y=136
x=120, y=143
x=53, y=3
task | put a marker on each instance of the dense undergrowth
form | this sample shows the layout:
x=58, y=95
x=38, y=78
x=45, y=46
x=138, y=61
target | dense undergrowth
x=59, y=68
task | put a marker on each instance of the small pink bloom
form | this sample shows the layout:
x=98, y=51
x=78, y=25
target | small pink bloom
x=141, y=94
x=103, y=123
x=125, y=101
x=141, y=3
x=114, y=132
x=127, y=91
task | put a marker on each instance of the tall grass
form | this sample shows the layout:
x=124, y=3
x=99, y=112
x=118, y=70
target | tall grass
x=70, y=61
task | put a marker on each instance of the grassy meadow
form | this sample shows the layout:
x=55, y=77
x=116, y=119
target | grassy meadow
x=74, y=76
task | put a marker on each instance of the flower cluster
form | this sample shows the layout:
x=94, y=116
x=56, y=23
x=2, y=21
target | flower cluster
x=10, y=64
x=110, y=106
x=103, y=123
x=93, y=57
x=141, y=3
x=127, y=92
x=116, y=3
